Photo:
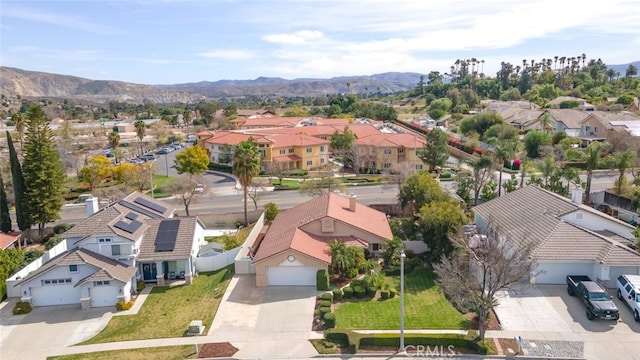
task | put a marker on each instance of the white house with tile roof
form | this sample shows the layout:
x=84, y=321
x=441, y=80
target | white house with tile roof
x=136, y=238
x=571, y=238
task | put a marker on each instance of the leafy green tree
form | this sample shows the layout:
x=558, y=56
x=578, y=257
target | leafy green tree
x=10, y=262
x=504, y=150
x=481, y=174
x=435, y=152
x=625, y=100
x=341, y=143
x=534, y=140
x=437, y=221
x=480, y=123
x=114, y=140
x=20, y=124
x=489, y=191
x=98, y=169
x=391, y=251
x=593, y=159
x=439, y=108
x=246, y=165
x=631, y=71
x=192, y=161
x=296, y=111
x=43, y=171
x=548, y=167
x=23, y=217
x=344, y=258
x=419, y=189
x=270, y=211
x=5, y=219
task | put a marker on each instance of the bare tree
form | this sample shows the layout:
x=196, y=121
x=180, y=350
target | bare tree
x=483, y=266
x=256, y=189
x=322, y=182
x=184, y=188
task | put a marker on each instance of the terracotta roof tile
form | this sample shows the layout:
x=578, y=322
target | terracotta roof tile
x=7, y=239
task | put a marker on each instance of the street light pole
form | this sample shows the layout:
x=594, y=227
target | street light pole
x=402, y=349
x=166, y=163
x=151, y=180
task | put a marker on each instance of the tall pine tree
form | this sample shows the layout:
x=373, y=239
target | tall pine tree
x=5, y=220
x=42, y=170
x=19, y=189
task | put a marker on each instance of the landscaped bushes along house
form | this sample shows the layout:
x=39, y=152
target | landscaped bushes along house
x=322, y=280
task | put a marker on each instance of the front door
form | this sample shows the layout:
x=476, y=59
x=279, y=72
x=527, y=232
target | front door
x=149, y=272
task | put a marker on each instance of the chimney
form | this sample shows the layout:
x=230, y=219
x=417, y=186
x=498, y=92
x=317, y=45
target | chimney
x=352, y=202
x=576, y=194
x=92, y=205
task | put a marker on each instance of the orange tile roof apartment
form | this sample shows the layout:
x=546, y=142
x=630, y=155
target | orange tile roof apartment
x=307, y=147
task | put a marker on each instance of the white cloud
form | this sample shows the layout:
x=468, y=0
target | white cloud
x=73, y=22
x=227, y=54
x=299, y=37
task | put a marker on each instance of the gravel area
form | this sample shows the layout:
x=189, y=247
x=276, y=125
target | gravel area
x=551, y=348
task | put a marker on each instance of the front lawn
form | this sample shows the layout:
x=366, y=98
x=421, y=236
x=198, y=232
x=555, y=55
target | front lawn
x=166, y=352
x=425, y=308
x=167, y=311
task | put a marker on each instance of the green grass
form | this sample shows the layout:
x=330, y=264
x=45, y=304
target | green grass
x=168, y=311
x=286, y=184
x=165, y=352
x=425, y=308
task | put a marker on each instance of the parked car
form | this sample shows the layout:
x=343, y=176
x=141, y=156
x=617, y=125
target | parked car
x=83, y=198
x=162, y=151
x=597, y=300
x=199, y=189
x=135, y=161
x=148, y=157
x=629, y=292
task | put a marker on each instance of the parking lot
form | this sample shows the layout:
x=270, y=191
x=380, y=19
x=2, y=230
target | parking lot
x=547, y=312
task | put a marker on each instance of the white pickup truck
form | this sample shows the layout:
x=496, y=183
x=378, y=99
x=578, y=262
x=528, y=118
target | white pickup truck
x=629, y=292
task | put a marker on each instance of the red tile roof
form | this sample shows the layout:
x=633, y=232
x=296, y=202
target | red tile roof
x=393, y=140
x=286, y=230
x=7, y=239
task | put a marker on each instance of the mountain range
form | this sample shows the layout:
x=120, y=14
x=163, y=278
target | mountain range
x=39, y=84
x=34, y=84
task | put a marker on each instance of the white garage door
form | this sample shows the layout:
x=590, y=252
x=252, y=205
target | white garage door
x=556, y=273
x=104, y=295
x=55, y=295
x=615, y=271
x=291, y=276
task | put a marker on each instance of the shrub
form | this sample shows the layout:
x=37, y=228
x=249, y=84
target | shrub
x=371, y=291
x=393, y=271
x=21, y=307
x=324, y=303
x=352, y=273
x=323, y=310
x=53, y=241
x=329, y=320
x=337, y=337
x=359, y=291
x=392, y=293
x=327, y=296
x=60, y=228
x=140, y=285
x=322, y=280
x=347, y=292
x=384, y=294
x=270, y=211
x=121, y=305
x=337, y=294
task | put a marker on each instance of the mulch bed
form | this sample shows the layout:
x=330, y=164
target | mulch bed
x=213, y=350
x=492, y=322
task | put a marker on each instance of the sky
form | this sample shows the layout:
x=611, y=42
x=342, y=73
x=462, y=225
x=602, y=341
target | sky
x=181, y=41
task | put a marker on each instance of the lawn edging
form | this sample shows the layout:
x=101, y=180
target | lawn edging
x=353, y=340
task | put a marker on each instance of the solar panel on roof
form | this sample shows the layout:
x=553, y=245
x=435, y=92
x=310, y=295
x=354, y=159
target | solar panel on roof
x=167, y=235
x=131, y=216
x=121, y=225
x=131, y=227
x=151, y=205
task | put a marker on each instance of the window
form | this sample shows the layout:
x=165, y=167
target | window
x=56, y=281
x=321, y=148
x=418, y=167
x=282, y=152
x=291, y=151
x=101, y=283
x=260, y=145
x=386, y=165
x=375, y=247
x=263, y=153
x=309, y=150
x=104, y=240
x=73, y=268
x=321, y=160
x=387, y=151
x=595, y=129
x=310, y=162
x=115, y=250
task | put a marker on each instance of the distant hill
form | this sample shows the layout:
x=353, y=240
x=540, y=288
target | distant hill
x=622, y=68
x=39, y=84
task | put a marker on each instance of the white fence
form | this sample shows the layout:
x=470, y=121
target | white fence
x=243, y=260
x=212, y=263
x=14, y=291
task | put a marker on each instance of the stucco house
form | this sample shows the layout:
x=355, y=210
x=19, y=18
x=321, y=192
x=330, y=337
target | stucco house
x=296, y=245
x=567, y=120
x=571, y=238
x=136, y=238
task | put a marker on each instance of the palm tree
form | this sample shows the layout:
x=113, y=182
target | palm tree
x=20, y=122
x=481, y=174
x=592, y=159
x=548, y=168
x=339, y=258
x=186, y=118
x=504, y=150
x=246, y=165
x=141, y=131
x=572, y=176
x=114, y=141
x=545, y=122
x=622, y=161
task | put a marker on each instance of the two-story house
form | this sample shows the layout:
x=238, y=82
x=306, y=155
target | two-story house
x=599, y=125
x=136, y=238
x=390, y=152
x=296, y=244
x=567, y=120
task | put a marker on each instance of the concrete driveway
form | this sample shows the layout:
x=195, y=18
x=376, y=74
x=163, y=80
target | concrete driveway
x=46, y=330
x=266, y=323
x=547, y=312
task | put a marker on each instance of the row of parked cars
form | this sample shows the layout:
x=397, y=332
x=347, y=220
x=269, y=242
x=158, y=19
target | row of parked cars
x=151, y=156
x=597, y=300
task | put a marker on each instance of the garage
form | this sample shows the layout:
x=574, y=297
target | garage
x=291, y=276
x=105, y=295
x=55, y=295
x=616, y=271
x=556, y=273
